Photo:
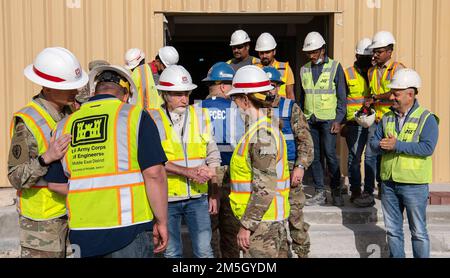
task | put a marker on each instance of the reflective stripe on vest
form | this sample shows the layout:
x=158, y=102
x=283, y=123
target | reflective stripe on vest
x=227, y=123
x=148, y=95
x=38, y=202
x=284, y=112
x=283, y=69
x=379, y=87
x=400, y=167
x=189, y=151
x=106, y=186
x=358, y=89
x=241, y=175
x=320, y=98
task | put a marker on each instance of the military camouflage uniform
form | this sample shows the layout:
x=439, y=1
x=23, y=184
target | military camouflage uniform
x=41, y=239
x=268, y=239
x=298, y=228
x=224, y=225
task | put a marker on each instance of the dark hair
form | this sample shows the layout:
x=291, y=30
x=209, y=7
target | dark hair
x=390, y=47
x=106, y=86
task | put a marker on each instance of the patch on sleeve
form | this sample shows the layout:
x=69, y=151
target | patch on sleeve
x=18, y=153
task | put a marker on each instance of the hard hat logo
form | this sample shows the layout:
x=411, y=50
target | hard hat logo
x=78, y=72
x=185, y=79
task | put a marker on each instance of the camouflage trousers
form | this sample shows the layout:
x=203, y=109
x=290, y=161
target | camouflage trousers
x=225, y=226
x=43, y=239
x=298, y=229
x=269, y=241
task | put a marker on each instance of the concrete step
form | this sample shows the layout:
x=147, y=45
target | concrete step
x=369, y=240
x=350, y=214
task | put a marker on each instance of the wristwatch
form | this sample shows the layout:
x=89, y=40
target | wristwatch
x=42, y=161
x=301, y=166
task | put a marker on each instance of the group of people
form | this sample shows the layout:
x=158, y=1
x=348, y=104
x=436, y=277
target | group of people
x=120, y=158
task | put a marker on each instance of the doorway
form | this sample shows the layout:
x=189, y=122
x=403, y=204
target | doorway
x=202, y=40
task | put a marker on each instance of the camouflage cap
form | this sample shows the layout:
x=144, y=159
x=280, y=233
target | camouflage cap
x=96, y=63
x=83, y=94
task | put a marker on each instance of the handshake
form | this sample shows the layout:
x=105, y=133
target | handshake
x=200, y=174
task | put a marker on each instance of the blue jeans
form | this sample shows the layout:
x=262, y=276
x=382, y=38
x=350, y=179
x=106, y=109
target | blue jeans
x=195, y=213
x=372, y=161
x=321, y=133
x=357, y=140
x=395, y=199
x=140, y=247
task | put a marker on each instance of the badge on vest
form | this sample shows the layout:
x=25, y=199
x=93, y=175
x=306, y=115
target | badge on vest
x=89, y=130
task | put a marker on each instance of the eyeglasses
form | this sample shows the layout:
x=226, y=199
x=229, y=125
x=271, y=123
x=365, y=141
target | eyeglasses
x=238, y=46
x=379, y=51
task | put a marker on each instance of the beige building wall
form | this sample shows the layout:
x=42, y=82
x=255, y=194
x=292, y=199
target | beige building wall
x=105, y=29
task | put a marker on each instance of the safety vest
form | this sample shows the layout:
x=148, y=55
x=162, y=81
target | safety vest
x=358, y=90
x=255, y=61
x=148, y=95
x=283, y=68
x=284, y=113
x=400, y=167
x=242, y=176
x=106, y=186
x=379, y=87
x=227, y=123
x=320, y=98
x=38, y=202
x=189, y=151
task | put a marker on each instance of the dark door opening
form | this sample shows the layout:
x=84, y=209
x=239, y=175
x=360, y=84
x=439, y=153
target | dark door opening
x=203, y=40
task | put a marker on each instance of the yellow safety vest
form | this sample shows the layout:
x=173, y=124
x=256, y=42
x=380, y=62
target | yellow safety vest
x=106, y=186
x=148, y=95
x=381, y=87
x=320, y=98
x=189, y=151
x=38, y=202
x=242, y=176
x=400, y=167
x=283, y=68
x=358, y=90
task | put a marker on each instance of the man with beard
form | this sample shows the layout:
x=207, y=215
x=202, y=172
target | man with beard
x=240, y=44
x=266, y=47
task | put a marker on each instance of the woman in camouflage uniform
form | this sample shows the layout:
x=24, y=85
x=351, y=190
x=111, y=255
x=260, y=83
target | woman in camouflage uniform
x=259, y=170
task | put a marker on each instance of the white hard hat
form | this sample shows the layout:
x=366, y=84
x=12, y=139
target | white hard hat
x=362, y=48
x=133, y=57
x=168, y=55
x=175, y=78
x=265, y=42
x=404, y=79
x=57, y=68
x=382, y=39
x=365, y=120
x=313, y=41
x=250, y=79
x=124, y=73
x=239, y=37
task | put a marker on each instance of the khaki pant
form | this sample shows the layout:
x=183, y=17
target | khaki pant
x=43, y=239
x=225, y=226
x=298, y=229
x=269, y=241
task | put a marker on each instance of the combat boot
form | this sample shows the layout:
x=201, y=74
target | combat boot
x=365, y=200
x=319, y=199
x=337, y=197
x=355, y=194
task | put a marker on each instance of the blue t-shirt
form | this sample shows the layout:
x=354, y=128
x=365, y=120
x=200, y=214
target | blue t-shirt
x=102, y=242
